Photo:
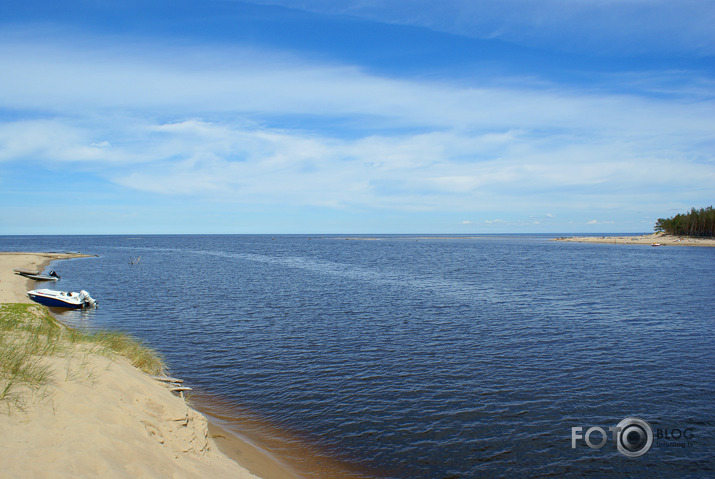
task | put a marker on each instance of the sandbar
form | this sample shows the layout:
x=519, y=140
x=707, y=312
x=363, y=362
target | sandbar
x=657, y=239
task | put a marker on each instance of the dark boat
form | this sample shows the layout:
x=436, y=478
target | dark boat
x=51, y=276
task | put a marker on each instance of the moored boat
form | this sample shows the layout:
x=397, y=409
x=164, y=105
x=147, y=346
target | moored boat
x=51, y=276
x=62, y=299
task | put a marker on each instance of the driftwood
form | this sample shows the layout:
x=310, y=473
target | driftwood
x=173, y=384
x=167, y=379
x=184, y=419
x=180, y=389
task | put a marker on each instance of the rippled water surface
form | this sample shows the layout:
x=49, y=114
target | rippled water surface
x=427, y=357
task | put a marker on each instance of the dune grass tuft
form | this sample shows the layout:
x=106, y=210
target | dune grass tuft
x=140, y=355
x=28, y=334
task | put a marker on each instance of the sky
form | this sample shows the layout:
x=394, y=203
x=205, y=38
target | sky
x=354, y=116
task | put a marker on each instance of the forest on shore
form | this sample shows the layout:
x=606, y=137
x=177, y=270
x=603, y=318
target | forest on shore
x=696, y=223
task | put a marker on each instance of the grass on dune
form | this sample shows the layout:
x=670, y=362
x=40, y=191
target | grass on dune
x=28, y=334
x=140, y=355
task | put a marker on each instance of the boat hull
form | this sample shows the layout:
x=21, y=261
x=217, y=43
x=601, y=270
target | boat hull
x=61, y=299
x=37, y=276
x=40, y=277
x=53, y=302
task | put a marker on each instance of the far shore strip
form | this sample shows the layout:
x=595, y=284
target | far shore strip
x=657, y=239
x=102, y=417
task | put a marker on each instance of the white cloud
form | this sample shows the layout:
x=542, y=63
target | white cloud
x=249, y=84
x=53, y=140
x=454, y=171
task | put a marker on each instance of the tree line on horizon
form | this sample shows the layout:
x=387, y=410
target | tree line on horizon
x=696, y=223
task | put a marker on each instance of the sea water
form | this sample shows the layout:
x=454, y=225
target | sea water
x=427, y=357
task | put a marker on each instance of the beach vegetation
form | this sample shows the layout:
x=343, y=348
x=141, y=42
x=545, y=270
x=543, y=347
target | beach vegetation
x=26, y=336
x=695, y=223
x=139, y=354
x=29, y=334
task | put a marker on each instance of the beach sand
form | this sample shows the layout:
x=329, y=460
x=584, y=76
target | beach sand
x=13, y=287
x=99, y=416
x=659, y=238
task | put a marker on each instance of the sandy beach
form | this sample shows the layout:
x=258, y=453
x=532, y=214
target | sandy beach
x=96, y=415
x=657, y=238
x=13, y=287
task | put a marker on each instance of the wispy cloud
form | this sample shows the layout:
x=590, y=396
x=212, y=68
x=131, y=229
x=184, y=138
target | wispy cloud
x=624, y=27
x=445, y=170
x=270, y=84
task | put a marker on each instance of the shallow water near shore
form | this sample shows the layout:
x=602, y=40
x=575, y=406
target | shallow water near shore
x=433, y=357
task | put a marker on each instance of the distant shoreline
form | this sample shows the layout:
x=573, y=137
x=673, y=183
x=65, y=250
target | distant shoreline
x=656, y=239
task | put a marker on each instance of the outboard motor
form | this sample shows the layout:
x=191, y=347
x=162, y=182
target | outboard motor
x=86, y=299
x=54, y=274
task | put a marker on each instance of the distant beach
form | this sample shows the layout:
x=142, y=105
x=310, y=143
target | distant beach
x=96, y=415
x=658, y=239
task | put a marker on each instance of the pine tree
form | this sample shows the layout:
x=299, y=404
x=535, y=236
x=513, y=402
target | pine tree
x=696, y=223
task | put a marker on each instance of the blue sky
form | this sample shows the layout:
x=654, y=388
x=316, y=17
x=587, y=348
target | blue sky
x=373, y=116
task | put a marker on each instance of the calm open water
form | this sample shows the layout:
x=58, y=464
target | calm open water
x=427, y=358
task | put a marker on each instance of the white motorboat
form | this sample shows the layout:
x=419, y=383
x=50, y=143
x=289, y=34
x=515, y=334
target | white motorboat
x=62, y=299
